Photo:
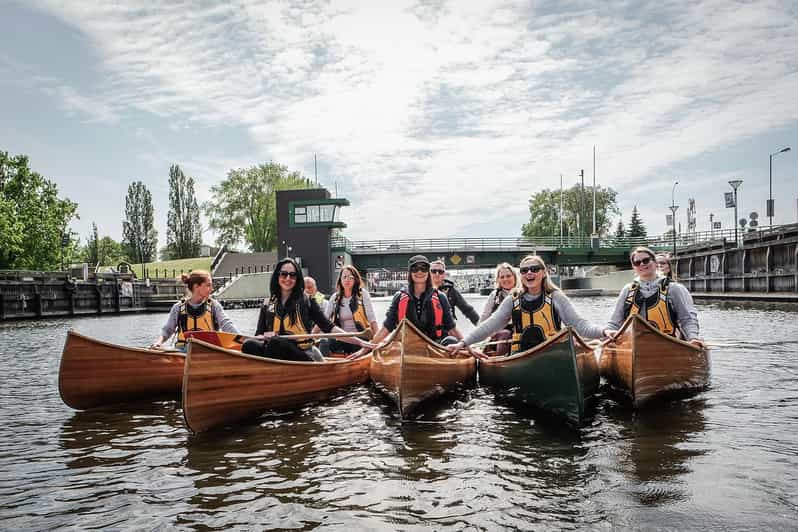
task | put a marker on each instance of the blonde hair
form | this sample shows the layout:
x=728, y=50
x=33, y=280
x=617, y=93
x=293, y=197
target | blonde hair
x=548, y=286
x=666, y=257
x=505, y=266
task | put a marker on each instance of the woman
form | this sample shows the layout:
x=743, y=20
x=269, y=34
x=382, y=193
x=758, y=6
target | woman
x=664, y=266
x=664, y=303
x=289, y=311
x=197, y=311
x=537, y=312
x=350, y=309
x=422, y=305
x=505, y=282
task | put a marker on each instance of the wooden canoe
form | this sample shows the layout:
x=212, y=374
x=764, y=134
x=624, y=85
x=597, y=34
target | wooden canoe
x=649, y=364
x=222, y=339
x=411, y=368
x=557, y=377
x=95, y=373
x=222, y=386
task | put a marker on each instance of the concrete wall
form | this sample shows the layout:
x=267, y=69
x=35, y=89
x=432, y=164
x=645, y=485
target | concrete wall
x=247, y=286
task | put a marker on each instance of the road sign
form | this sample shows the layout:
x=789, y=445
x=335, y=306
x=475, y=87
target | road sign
x=715, y=225
x=729, y=197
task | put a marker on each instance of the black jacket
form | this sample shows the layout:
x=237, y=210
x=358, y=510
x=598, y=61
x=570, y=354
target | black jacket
x=456, y=300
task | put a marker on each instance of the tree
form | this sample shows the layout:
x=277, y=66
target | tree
x=183, y=231
x=620, y=230
x=140, y=238
x=544, y=212
x=636, y=227
x=32, y=218
x=243, y=206
x=103, y=251
x=92, y=253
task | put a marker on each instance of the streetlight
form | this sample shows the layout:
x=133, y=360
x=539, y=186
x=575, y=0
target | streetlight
x=674, y=208
x=770, y=205
x=734, y=184
x=711, y=226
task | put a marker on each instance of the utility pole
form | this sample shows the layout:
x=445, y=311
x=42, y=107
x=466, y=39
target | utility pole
x=315, y=169
x=582, y=202
x=594, y=190
x=734, y=184
x=560, y=210
x=674, y=208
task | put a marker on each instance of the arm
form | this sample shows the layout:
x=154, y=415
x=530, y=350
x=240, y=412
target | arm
x=262, y=326
x=169, y=328
x=497, y=321
x=571, y=317
x=686, y=314
x=448, y=319
x=224, y=322
x=459, y=301
x=617, y=318
x=370, y=315
x=391, y=316
x=488, y=307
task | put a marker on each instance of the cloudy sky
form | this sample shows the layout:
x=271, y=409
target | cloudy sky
x=434, y=118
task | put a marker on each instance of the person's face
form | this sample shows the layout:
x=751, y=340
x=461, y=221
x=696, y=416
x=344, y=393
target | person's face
x=506, y=279
x=644, y=265
x=532, y=275
x=438, y=273
x=287, y=279
x=203, y=289
x=663, y=266
x=310, y=287
x=347, y=280
x=419, y=272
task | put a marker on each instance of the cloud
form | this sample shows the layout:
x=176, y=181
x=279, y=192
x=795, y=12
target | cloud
x=450, y=110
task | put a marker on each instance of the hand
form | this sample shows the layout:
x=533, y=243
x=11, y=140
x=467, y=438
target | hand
x=698, y=343
x=368, y=346
x=479, y=355
x=155, y=345
x=267, y=335
x=609, y=333
x=357, y=354
x=454, y=348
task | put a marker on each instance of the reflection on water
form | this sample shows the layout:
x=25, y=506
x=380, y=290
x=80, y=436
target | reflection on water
x=725, y=458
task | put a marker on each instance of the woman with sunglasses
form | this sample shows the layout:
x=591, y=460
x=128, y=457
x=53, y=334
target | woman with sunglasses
x=197, y=311
x=664, y=266
x=437, y=272
x=289, y=311
x=537, y=312
x=350, y=309
x=422, y=304
x=664, y=303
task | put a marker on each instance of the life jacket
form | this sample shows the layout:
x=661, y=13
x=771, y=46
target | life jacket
x=282, y=325
x=434, y=301
x=357, y=308
x=533, y=322
x=659, y=309
x=194, y=319
x=498, y=297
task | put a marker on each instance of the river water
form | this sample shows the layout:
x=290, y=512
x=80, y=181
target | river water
x=724, y=459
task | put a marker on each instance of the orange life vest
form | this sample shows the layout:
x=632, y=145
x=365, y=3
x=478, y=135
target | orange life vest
x=437, y=312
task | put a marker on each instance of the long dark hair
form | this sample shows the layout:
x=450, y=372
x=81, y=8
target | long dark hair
x=410, y=281
x=355, y=288
x=296, y=294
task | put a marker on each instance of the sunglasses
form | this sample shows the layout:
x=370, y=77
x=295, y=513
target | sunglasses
x=535, y=268
x=438, y=272
x=285, y=274
x=641, y=262
x=347, y=278
x=415, y=268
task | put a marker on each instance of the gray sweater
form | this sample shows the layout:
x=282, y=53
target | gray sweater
x=679, y=297
x=225, y=323
x=562, y=305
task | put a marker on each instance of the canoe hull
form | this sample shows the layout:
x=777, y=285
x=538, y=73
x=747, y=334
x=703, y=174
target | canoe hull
x=95, y=373
x=557, y=377
x=650, y=365
x=222, y=387
x=412, y=369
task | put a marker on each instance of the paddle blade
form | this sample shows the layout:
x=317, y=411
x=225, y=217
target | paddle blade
x=222, y=339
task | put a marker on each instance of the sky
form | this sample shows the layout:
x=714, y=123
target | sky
x=435, y=119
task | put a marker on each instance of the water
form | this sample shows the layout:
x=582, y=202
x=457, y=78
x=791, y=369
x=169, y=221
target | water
x=725, y=458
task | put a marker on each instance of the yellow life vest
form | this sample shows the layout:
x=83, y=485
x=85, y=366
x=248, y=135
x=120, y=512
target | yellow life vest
x=189, y=319
x=283, y=326
x=658, y=309
x=533, y=325
x=358, y=314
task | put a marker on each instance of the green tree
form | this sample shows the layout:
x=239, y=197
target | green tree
x=620, y=230
x=32, y=218
x=103, y=251
x=544, y=211
x=140, y=238
x=92, y=250
x=183, y=229
x=636, y=227
x=243, y=206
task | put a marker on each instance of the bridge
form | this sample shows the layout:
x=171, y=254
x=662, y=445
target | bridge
x=487, y=252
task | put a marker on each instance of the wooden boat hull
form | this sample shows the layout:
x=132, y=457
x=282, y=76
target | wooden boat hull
x=649, y=364
x=557, y=377
x=222, y=387
x=94, y=373
x=411, y=368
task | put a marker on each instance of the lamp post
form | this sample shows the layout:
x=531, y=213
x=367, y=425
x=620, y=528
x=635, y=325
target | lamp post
x=711, y=226
x=770, y=205
x=734, y=184
x=674, y=208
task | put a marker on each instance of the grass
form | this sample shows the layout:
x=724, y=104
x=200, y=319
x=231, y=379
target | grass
x=186, y=265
